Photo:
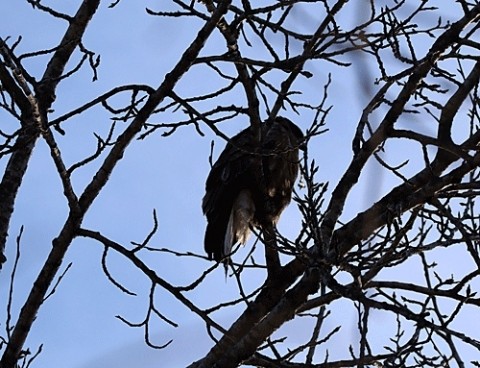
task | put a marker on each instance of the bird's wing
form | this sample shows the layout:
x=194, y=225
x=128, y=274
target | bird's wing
x=230, y=174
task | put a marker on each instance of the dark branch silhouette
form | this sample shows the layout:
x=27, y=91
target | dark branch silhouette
x=416, y=70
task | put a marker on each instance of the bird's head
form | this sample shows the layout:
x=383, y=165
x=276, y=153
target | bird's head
x=294, y=131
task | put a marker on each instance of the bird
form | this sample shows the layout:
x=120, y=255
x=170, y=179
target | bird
x=250, y=184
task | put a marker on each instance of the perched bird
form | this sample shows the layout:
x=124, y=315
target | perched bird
x=250, y=184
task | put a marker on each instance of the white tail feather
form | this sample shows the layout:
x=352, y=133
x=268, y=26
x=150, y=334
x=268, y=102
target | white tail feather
x=228, y=240
x=241, y=216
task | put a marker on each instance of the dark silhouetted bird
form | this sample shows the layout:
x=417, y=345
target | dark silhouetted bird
x=250, y=184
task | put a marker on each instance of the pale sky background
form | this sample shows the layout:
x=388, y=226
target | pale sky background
x=77, y=325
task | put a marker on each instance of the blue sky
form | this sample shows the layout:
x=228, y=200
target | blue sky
x=77, y=325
